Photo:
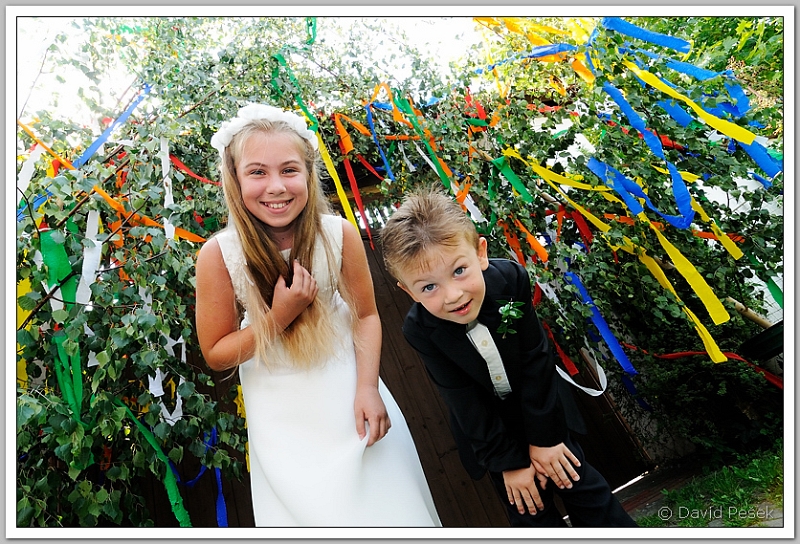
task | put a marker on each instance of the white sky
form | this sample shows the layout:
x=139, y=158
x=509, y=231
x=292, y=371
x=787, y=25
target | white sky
x=35, y=35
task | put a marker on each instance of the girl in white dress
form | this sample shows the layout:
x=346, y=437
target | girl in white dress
x=284, y=294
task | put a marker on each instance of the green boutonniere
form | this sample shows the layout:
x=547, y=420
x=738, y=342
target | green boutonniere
x=509, y=312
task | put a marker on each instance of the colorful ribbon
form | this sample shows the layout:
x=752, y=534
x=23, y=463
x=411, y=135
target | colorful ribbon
x=222, y=509
x=187, y=171
x=769, y=376
x=171, y=485
x=92, y=149
x=602, y=327
x=623, y=27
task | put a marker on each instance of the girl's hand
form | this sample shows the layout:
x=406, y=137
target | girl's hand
x=289, y=302
x=521, y=489
x=370, y=409
x=556, y=462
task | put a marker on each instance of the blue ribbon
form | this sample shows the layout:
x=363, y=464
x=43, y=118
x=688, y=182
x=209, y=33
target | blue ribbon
x=635, y=120
x=690, y=69
x=536, y=52
x=624, y=187
x=759, y=154
x=222, y=509
x=375, y=139
x=602, y=326
x=738, y=108
x=765, y=182
x=80, y=161
x=681, y=193
x=432, y=101
x=589, y=62
x=676, y=112
x=628, y=383
x=386, y=106
x=38, y=200
x=618, y=25
x=742, y=103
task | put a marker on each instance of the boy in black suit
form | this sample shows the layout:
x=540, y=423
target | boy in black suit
x=510, y=412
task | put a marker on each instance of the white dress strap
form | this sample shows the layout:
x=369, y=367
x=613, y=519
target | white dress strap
x=232, y=254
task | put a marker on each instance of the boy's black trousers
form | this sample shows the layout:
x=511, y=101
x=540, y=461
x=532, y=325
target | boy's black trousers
x=589, y=503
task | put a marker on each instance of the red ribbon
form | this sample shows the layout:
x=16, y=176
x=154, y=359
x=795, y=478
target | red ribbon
x=354, y=187
x=185, y=168
x=568, y=364
x=769, y=376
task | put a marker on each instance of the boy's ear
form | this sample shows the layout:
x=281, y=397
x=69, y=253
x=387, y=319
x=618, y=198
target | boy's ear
x=483, y=253
x=402, y=286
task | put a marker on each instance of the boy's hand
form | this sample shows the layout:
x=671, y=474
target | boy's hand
x=556, y=462
x=521, y=489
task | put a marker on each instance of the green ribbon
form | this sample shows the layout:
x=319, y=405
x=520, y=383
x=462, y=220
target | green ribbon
x=68, y=368
x=171, y=485
x=502, y=165
x=406, y=108
x=281, y=61
x=773, y=288
x=311, y=28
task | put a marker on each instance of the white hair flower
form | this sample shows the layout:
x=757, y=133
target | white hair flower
x=248, y=113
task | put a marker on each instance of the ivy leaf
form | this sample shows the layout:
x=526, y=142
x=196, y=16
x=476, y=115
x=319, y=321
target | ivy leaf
x=58, y=237
x=60, y=316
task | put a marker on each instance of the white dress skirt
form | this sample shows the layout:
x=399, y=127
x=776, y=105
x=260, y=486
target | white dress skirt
x=308, y=467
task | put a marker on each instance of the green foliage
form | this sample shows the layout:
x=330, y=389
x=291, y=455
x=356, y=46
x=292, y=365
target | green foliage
x=731, y=493
x=86, y=468
x=510, y=311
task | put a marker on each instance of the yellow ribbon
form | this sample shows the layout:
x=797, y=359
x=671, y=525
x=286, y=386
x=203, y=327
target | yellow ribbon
x=724, y=239
x=725, y=127
x=578, y=33
x=715, y=308
x=326, y=158
x=711, y=346
x=239, y=401
x=583, y=72
x=23, y=287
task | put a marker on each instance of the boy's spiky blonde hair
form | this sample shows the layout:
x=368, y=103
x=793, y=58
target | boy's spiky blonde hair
x=427, y=219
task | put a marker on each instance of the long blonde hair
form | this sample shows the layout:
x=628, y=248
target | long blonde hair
x=311, y=337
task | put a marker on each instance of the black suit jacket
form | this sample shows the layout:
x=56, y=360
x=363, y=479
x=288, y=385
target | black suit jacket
x=493, y=434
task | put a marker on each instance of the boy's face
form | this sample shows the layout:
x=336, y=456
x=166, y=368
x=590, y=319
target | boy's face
x=451, y=285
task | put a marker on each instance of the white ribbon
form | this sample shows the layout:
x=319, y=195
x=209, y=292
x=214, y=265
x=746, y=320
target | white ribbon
x=601, y=376
x=157, y=390
x=476, y=214
x=411, y=167
x=169, y=228
x=91, y=259
x=26, y=172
